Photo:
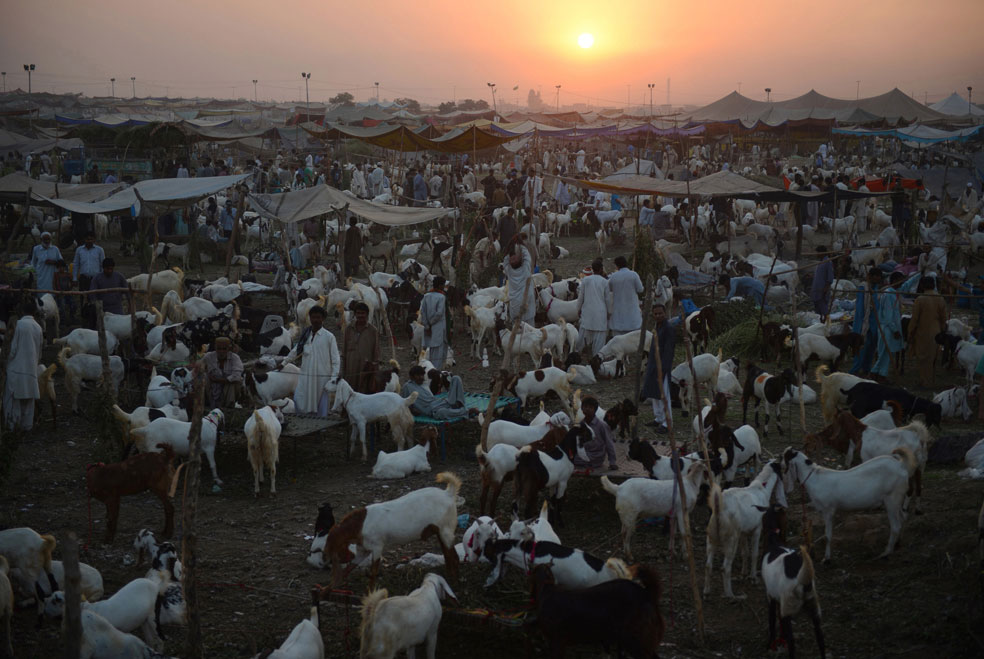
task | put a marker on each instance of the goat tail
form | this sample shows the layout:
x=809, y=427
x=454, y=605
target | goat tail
x=649, y=578
x=122, y=416
x=369, y=605
x=469, y=311
x=409, y=400
x=63, y=355
x=452, y=480
x=48, y=543
x=481, y=456
x=821, y=373
x=61, y=340
x=158, y=316
x=720, y=354
x=918, y=427
x=907, y=458
x=804, y=580
x=609, y=486
x=395, y=364
x=174, y=480
x=618, y=568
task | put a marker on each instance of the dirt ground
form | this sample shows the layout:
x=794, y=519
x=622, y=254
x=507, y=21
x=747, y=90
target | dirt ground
x=923, y=601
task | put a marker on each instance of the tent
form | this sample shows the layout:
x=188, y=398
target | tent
x=401, y=138
x=14, y=187
x=299, y=205
x=918, y=135
x=956, y=105
x=645, y=168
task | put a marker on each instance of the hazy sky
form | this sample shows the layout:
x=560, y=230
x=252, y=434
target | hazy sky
x=433, y=50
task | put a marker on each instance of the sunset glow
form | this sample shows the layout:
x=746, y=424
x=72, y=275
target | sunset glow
x=586, y=40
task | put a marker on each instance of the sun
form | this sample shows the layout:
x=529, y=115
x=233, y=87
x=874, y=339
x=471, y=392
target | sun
x=586, y=40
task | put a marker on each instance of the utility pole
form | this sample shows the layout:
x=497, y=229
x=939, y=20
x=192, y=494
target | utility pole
x=495, y=111
x=254, y=89
x=970, y=96
x=29, y=68
x=768, y=94
x=4, y=74
x=377, y=92
x=133, y=83
x=858, y=97
x=112, y=82
x=652, y=86
x=558, y=98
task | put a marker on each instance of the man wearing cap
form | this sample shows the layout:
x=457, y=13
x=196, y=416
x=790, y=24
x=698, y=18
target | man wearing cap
x=320, y=364
x=594, y=304
x=108, y=278
x=969, y=200
x=227, y=218
x=468, y=180
x=449, y=406
x=22, y=372
x=432, y=317
x=224, y=369
x=360, y=350
x=44, y=257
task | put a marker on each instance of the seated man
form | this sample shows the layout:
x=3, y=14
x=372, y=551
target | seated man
x=451, y=406
x=225, y=374
x=602, y=443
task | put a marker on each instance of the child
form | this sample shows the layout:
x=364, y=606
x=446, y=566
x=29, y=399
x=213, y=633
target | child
x=62, y=281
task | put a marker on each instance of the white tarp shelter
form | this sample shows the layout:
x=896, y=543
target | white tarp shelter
x=159, y=194
x=299, y=205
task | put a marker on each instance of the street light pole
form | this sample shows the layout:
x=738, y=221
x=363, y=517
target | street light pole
x=558, y=98
x=112, y=82
x=254, y=89
x=495, y=110
x=307, y=96
x=768, y=94
x=28, y=68
x=133, y=84
x=652, y=85
x=970, y=95
x=377, y=92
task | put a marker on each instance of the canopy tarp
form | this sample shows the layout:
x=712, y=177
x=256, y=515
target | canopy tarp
x=917, y=134
x=401, y=138
x=160, y=195
x=10, y=141
x=637, y=167
x=299, y=205
x=14, y=186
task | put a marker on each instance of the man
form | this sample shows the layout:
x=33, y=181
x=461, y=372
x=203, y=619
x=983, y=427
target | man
x=87, y=262
x=435, y=184
x=335, y=175
x=969, y=200
x=823, y=277
x=928, y=320
x=206, y=170
x=488, y=185
x=360, y=345
x=320, y=364
x=432, y=317
x=517, y=266
x=376, y=180
x=468, y=180
x=450, y=406
x=594, y=304
x=224, y=370
x=419, y=190
x=108, y=278
x=665, y=343
x=743, y=287
x=358, y=184
x=22, y=372
x=111, y=178
x=183, y=171
x=602, y=444
x=44, y=258
x=507, y=226
x=890, y=332
x=93, y=175
x=625, y=287
x=352, y=248
x=647, y=214
x=532, y=188
x=227, y=218
x=865, y=316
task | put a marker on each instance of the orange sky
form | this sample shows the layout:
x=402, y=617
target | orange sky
x=433, y=50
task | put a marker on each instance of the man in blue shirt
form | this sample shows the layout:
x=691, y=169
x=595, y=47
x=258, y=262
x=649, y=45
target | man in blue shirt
x=419, y=190
x=227, y=218
x=743, y=287
x=87, y=262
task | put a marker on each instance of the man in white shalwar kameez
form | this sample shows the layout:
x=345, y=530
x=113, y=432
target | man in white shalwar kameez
x=358, y=185
x=517, y=277
x=532, y=189
x=319, y=366
x=625, y=287
x=433, y=311
x=468, y=180
x=968, y=200
x=376, y=180
x=579, y=162
x=22, y=374
x=594, y=304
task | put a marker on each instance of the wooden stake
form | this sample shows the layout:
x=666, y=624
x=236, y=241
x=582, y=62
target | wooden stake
x=189, y=559
x=107, y=377
x=231, y=247
x=379, y=297
x=73, y=598
x=648, y=305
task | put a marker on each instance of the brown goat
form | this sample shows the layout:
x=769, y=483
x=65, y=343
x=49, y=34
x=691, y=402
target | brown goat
x=774, y=338
x=489, y=485
x=136, y=474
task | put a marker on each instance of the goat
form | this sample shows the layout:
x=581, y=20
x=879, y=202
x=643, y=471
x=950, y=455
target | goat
x=480, y=322
x=620, y=415
x=865, y=397
x=365, y=408
x=739, y=446
x=142, y=416
x=831, y=387
x=812, y=346
x=162, y=282
x=136, y=474
x=645, y=496
x=882, y=481
x=159, y=390
x=304, y=641
x=618, y=612
x=102, y=639
x=90, y=581
x=46, y=389
x=391, y=624
x=774, y=340
x=527, y=384
x=953, y=403
x=790, y=584
x=414, y=516
x=177, y=435
x=735, y=517
x=272, y=385
x=550, y=470
x=698, y=326
x=706, y=369
x=28, y=555
x=86, y=342
x=262, y=430
x=656, y=465
x=762, y=386
x=618, y=347
x=82, y=368
x=529, y=340
x=558, y=309
x=403, y=463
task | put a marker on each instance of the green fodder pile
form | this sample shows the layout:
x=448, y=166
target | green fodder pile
x=736, y=329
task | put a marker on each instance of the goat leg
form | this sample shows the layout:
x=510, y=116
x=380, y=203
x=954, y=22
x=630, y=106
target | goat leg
x=112, y=515
x=786, y=624
x=773, y=613
x=817, y=631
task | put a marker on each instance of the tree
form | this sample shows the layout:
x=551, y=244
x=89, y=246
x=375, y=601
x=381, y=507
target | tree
x=447, y=106
x=533, y=100
x=343, y=98
x=469, y=105
x=409, y=104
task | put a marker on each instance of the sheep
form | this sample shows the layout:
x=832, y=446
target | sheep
x=272, y=385
x=28, y=555
x=392, y=624
x=527, y=384
x=262, y=430
x=304, y=641
x=176, y=434
x=416, y=515
x=136, y=474
x=86, y=341
x=514, y=434
x=81, y=368
x=620, y=612
x=573, y=568
x=550, y=470
x=790, y=586
x=6, y=609
x=365, y=408
x=644, y=496
x=706, y=368
x=403, y=463
x=133, y=606
x=760, y=386
x=831, y=388
x=736, y=517
x=882, y=481
x=162, y=282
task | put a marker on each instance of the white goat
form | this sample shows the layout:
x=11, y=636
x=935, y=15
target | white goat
x=539, y=382
x=514, y=434
x=159, y=391
x=87, y=368
x=400, y=464
x=954, y=403
x=102, y=640
x=365, y=408
x=162, y=282
x=176, y=434
x=571, y=567
x=131, y=607
x=273, y=385
x=304, y=642
x=86, y=341
x=262, y=431
x=706, y=368
x=392, y=624
x=29, y=556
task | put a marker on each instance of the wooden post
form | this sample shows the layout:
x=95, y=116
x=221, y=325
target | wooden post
x=768, y=280
x=799, y=377
x=231, y=247
x=506, y=365
x=189, y=559
x=17, y=225
x=107, y=377
x=73, y=598
x=382, y=311
x=648, y=306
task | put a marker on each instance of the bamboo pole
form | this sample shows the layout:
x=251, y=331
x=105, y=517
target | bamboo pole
x=104, y=383
x=72, y=632
x=189, y=558
x=648, y=305
x=382, y=310
x=235, y=230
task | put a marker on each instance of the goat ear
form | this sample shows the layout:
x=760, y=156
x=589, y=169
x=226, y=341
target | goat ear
x=761, y=509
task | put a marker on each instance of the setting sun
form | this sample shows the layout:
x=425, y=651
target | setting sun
x=586, y=40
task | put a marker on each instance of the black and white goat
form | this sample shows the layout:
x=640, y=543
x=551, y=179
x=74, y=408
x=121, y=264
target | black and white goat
x=549, y=470
x=762, y=386
x=572, y=568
